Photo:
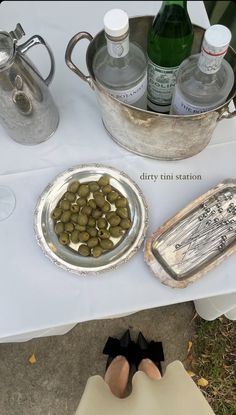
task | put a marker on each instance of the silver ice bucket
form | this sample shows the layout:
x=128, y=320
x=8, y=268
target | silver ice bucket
x=164, y=137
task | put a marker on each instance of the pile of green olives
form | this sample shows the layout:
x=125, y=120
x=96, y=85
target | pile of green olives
x=91, y=215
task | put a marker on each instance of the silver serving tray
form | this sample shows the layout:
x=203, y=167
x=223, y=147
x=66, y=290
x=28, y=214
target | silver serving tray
x=65, y=256
x=196, y=239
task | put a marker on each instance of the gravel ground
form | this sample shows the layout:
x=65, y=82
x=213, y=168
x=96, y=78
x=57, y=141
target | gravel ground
x=55, y=383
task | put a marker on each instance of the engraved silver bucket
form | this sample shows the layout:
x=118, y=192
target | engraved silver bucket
x=164, y=137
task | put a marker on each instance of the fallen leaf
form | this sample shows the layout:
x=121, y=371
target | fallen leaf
x=190, y=373
x=32, y=359
x=190, y=344
x=202, y=382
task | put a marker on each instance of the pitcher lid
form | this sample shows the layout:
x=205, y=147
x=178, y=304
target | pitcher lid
x=8, y=44
x=7, y=48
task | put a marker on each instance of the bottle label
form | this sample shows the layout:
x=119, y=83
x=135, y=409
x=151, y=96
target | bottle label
x=182, y=107
x=210, y=63
x=118, y=49
x=161, y=82
x=132, y=95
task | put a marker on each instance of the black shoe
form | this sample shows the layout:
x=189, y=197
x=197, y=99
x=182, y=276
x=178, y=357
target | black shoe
x=123, y=346
x=149, y=350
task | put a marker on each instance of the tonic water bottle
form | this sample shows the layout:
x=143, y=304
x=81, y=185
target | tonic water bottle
x=205, y=80
x=120, y=66
x=169, y=43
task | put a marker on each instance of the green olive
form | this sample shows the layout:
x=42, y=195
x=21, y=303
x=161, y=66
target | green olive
x=116, y=231
x=86, y=210
x=82, y=219
x=74, y=218
x=92, y=242
x=59, y=228
x=103, y=234
x=80, y=228
x=114, y=220
x=106, y=189
x=125, y=223
x=110, y=214
x=84, y=236
x=83, y=190
x=75, y=208
x=93, y=186
x=106, y=244
x=101, y=223
x=56, y=213
x=106, y=207
x=64, y=238
x=112, y=196
x=91, y=221
x=92, y=203
x=121, y=202
x=84, y=250
x=92, y=231
x=65, y=204
x=73, y=187
x=96, y=213
x=81, y=201
x=70, y=196
x=97, y=251
x=98, y=193
x=100, y=200
x=65, y=217
x=75, y=237
x=122, y=212
x=69, y=227
x=103, y=181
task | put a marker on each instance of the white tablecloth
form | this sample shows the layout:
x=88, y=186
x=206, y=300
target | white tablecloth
x=36, y=297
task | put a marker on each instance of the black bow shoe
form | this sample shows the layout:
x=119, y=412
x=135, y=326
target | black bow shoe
x=123, y=346
x=149, y=350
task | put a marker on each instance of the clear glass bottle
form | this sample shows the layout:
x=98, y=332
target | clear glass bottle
x=205, y=80
x=121, y=66
x=169, y=43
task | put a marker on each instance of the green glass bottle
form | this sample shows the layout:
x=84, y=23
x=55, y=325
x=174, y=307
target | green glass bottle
x=169, y=43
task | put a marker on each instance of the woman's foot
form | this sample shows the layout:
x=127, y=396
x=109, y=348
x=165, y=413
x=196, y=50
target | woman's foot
x=117, y=376
x=147, y=366
x=150, y=351
x=120, y=347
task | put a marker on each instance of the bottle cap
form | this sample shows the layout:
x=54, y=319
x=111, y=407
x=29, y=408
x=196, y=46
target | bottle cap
x=216, y=39
x=116, y=22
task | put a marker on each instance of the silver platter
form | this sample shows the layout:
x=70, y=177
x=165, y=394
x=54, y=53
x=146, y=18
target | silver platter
x=196, y=239
x=68, y=258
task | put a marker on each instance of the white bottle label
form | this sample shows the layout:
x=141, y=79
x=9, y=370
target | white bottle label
x=118, y=49
x=132, y=95
x=182, y=107
x=210, y=63
x=211, y=57
x=161, y=82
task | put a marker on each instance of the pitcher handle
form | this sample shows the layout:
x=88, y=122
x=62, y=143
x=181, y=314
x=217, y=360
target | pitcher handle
x=70, y=47
x=38, y=40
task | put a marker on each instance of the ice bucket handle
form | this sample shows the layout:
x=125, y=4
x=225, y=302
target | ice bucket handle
x=226, y=114
x=70, y=47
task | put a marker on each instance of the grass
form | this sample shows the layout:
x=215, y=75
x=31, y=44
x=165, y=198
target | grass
x=213, y=357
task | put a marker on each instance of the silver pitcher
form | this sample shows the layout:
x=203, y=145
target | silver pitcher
x=150, y=134
x=27, y=110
